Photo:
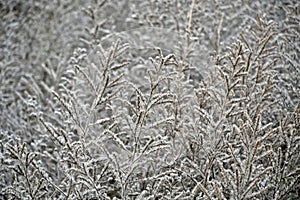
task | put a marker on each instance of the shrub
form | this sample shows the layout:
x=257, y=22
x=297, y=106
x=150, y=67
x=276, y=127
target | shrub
x=149, y=100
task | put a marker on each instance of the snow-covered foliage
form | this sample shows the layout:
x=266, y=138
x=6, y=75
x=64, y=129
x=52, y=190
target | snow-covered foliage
x=149, y=99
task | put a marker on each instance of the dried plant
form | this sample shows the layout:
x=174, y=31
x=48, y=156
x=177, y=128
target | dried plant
x=149, y=100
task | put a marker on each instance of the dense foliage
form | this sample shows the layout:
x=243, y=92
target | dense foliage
x=149, y=99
